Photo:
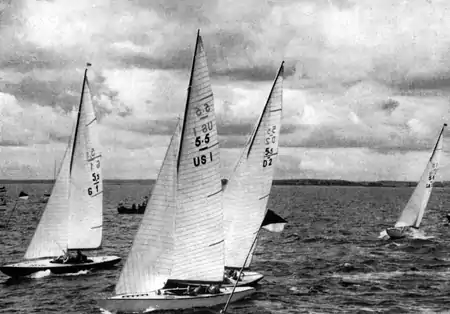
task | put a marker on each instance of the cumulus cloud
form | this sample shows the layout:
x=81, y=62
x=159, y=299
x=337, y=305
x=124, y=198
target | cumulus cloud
x=369, y=77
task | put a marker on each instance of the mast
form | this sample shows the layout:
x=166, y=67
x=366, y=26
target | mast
x=280, y=70
x=78, y=116
x=186, y=107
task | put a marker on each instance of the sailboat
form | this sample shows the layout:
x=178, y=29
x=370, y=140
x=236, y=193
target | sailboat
x=247, y=192
x=180, y=238
x=412, y=214
x=72, y=219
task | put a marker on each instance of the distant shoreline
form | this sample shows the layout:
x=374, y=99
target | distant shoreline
x=317, y=182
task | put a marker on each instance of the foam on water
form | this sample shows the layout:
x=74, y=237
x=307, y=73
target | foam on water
x=41, y=274
x=305, y=268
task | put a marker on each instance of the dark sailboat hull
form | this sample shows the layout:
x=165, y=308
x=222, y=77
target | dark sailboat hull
x=29, y=267
x=397, y=233
x=126, y=210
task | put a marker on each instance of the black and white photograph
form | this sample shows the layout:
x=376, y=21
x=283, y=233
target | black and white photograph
x=223, y=156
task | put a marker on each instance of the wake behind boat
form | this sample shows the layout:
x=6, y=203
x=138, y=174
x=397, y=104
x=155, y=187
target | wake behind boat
x=412, y=214
x=180, y=238
x=72, y=219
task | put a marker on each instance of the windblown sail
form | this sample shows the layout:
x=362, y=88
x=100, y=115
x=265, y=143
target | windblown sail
x=73, y=214
x=51, y=237
x=415, y=208
x=181, y=236
x=86, y=181
x=149, y=262
x=199, y=235
x=247, y=192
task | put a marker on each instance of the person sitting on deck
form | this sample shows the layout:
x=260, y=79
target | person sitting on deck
x=80, y=258
x=213, y=289
x=144, y=202
x=200, y=290
x=62, y=258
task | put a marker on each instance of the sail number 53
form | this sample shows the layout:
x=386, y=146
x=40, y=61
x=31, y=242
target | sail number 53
x=270, y=145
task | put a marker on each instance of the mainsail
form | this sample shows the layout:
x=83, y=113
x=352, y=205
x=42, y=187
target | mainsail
x=181, y=233
x=72, y=218
x=415, y=208
x=246, y=195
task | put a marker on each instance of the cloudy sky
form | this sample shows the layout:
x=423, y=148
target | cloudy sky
x=366, y=85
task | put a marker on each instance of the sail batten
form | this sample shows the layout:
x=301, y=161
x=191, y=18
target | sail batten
x=413, y=212
x=246, y=195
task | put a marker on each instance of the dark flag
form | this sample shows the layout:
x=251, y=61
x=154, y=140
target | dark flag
x=272, y=222
x=23, y=195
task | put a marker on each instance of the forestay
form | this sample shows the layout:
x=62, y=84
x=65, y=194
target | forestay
x=413, y=212
x=247, y=192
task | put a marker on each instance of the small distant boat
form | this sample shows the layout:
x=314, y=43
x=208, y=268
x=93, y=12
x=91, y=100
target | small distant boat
x=140, y=209
x=247, y=192
x=2, y=189
x=72, y=219
x=412, y=214
x=180, y=238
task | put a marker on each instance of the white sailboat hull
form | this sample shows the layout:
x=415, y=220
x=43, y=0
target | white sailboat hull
x=32, y=266
x=153, y=302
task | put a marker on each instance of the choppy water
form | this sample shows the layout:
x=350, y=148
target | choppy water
x=304, y=266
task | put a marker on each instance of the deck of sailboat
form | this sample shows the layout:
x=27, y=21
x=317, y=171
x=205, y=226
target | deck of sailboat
x=28, y=267
x=153, y=301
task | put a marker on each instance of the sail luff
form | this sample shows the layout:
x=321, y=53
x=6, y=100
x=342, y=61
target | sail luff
x=199, y=254
x=252, y=138
x=247, y=193
x=86, y=180
x=413, y=212
x=149, y=262
x=74, y=142
x=186, y=107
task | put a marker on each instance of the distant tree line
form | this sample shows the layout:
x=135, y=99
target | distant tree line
x=275, y=182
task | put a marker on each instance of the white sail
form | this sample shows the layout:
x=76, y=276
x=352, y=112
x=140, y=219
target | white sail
x=181, y=236
x=149, y=261
x=415, y=208
x=71, y=219
x=199, y=235
x=246, y=195
x=86, y=180
x=50, y=237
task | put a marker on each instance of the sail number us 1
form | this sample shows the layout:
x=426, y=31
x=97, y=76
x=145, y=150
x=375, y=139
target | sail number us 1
x=270, y=141
x=94, y=167
x=203, y=138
